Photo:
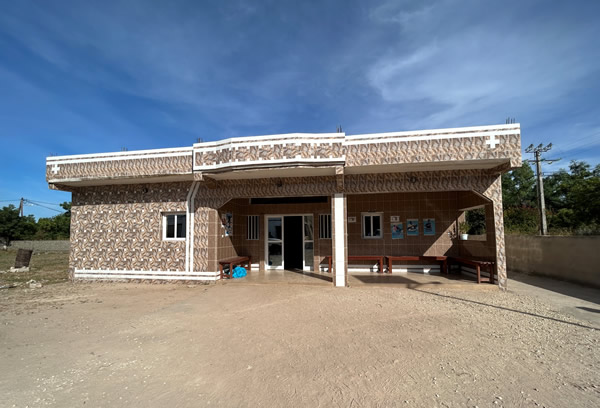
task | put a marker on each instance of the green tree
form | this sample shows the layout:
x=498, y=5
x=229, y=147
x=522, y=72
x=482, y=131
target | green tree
x=476, y=220
x=518, y=187
x=573, y=198
x=12, y=226
x=57, y=227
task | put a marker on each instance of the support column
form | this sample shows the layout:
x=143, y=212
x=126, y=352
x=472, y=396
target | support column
x=339, y=242
x=494, y=193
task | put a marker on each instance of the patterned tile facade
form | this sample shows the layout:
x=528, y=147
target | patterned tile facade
x=119, y=227
x=121, y=166
x=500, y=144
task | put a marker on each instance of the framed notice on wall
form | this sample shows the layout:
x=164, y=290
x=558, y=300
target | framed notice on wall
x=428, y=226
x=227, y=222
x=397, y=230
x=412, y=227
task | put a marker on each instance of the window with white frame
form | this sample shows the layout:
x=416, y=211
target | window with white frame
x=253, y=228
x=174, y=226
x=325, y=226
x=372, y=225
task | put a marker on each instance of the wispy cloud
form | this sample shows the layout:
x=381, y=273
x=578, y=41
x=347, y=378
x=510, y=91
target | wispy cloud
x=79, y=77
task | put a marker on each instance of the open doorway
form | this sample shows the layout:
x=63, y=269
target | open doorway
x=292, y=242
x=289, y=242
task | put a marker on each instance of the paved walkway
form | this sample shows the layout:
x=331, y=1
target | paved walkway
x=576, y=300
x=407, y=280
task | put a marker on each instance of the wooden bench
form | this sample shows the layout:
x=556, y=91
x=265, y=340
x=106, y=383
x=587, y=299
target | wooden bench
x=442, y=259
x=377, y=258
x=489, y=265
x=236, y=260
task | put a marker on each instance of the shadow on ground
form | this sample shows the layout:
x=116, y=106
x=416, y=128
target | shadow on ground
x=566, y=288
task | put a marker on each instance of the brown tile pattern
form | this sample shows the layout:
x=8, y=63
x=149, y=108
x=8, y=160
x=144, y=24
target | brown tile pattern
x=131, y=214
x=268, y=152
x=136, y=166
x=435, y=150
x=471, y=145
x=120, y=227
x=442, y=206
x=494, y=193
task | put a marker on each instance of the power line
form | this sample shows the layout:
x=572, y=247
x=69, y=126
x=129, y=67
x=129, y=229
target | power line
x=41, y=205
x=44, y=202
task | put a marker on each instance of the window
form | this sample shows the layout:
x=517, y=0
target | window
x=325, y=226
x=372, y=225
x=252, y=232
x=174, y=226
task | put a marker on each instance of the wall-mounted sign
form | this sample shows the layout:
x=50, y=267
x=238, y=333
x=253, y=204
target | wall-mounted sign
x=428, y=226
x=397, y=230
x=394, y=218
x=227, y=223
x=412, y=227
x=351, y=220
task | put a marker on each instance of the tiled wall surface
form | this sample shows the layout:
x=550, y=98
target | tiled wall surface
x=289, y=148
x=499, y=143
x=380, y=152
x=134, y=165
x=237, y=244
x=120, y=227
x=442, y=206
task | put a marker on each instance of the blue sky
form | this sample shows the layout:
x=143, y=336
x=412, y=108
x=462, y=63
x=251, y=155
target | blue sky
x=84, y=76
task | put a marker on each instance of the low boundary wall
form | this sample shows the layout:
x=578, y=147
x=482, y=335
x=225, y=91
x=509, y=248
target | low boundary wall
x=42, y=246
x=570, y=258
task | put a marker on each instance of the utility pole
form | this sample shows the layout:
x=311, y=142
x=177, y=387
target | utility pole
x=537, y=152
x=21, y=207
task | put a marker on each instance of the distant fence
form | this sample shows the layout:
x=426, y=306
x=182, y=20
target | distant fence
x=42, y=246
x=572, y=258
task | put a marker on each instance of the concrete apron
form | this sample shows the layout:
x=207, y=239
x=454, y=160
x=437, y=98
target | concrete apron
x=406, y=280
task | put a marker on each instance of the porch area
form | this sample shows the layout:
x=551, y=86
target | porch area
x=399, y=238
x=410, y=280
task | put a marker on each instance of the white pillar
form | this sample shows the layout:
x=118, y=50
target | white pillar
x=338, y=204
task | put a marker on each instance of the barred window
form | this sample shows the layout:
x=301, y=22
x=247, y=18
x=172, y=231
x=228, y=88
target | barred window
x=325, y=226
x=253, y=227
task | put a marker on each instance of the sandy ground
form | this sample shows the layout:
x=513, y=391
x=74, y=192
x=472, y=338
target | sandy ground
x=238, y=345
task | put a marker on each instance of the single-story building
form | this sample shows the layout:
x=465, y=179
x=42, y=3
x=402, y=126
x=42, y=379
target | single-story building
x=302, y=201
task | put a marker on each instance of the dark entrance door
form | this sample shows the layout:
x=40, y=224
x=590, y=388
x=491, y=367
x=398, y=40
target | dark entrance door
x=292, y=242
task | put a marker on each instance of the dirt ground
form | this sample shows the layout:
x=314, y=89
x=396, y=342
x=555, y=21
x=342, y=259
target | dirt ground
x=248, y=345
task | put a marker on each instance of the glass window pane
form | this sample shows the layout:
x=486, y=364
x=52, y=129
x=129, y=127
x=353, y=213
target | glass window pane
x=274, y=229
x=275, y=255
x=376, y=226
x=181, y=226
x=308, y=227
x=170, y=226
x=309, y=254
x=367, y=220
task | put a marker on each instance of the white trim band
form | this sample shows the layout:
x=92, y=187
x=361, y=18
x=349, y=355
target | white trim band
x=126, y=153
x=154, y=275
x=393, y=138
